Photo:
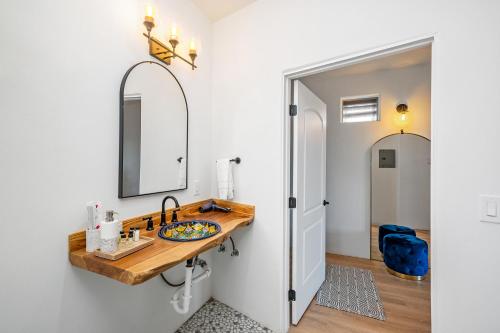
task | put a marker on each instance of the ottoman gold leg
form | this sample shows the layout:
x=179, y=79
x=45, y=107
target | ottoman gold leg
x=405, y=276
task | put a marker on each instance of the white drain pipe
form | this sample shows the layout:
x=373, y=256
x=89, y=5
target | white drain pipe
x=186, y=297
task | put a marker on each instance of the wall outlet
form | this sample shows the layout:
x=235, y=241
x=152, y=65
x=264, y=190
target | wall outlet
x=489, y=208
x=196, y=188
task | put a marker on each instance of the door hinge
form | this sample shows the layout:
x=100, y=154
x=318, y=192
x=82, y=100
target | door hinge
x=291, y=295
x=292, y=202
x=293, y=110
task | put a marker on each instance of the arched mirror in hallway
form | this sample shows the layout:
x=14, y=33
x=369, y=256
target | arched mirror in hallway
x=400, y=186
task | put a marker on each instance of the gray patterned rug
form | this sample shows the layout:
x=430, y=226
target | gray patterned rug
x=351, y=289
x=215, y=316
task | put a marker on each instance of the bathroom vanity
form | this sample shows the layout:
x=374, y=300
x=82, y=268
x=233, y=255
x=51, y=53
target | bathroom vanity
x=163, y=254
x=151, y=97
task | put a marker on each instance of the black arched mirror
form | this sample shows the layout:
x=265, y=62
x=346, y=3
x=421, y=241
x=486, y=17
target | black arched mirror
x=153, y=132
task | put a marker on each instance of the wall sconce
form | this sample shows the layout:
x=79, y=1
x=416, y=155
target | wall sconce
x=161, y=51
x=402, y=118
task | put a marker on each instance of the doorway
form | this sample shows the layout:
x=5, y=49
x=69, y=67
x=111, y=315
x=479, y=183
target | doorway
x=304, y=268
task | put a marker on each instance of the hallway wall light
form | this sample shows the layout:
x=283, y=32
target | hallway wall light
x=402, y=118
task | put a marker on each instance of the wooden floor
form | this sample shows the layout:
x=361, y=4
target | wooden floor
x=406, y=305
x=375, y=253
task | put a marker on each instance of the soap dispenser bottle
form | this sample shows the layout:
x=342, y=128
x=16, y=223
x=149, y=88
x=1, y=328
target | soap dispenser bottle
x=110, y=233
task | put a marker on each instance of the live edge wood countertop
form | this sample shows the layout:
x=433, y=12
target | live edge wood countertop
x=163, y=254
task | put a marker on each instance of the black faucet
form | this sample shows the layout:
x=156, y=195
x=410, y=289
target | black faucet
x=174, y=213
x=150, y=223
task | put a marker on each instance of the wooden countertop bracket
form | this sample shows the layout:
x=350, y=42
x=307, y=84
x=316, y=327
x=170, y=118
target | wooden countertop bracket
x=149, y=262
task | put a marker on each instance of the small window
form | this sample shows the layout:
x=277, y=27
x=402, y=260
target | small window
x=360, y=109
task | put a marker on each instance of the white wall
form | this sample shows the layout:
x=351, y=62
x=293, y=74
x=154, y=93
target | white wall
x=253, y=47
x=349, y=145
x=61, y=67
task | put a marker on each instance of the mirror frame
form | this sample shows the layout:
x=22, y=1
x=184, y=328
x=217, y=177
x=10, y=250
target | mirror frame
x=371, y=180
x=120, y=161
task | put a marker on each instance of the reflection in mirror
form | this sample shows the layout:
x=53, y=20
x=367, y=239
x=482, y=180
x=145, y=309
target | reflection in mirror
x=153, y=131
x=400, y=186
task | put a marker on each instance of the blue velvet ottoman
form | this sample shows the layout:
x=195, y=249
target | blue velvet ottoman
x=387, y=229
x=406, y=256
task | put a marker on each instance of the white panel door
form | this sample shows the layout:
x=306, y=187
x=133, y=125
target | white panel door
x=308, y=227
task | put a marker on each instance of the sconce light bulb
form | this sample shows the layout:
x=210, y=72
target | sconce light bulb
x=403, y=117
x=149, y=11
x=192, y=53
x=173, y=32
x=149, y=20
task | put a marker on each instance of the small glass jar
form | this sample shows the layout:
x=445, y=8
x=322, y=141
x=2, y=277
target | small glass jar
x=137, y=235
x=123, y=240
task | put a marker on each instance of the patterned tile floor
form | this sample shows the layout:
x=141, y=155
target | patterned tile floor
x=217, y=317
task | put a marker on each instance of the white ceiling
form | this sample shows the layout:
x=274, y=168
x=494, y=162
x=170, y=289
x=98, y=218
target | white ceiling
x=414, y=57
x=217, y=9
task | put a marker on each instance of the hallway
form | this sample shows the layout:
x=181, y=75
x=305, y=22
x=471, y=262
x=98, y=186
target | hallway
x=406, y=305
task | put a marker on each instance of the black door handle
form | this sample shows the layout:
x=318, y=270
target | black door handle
x=325, y=203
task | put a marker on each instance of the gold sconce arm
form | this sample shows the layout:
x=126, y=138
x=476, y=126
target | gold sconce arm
x=165, y=54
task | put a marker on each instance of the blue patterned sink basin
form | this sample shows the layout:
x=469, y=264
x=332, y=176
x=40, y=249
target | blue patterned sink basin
x=188, y=231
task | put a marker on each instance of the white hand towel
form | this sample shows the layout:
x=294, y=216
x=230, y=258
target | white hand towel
x=181, y=178
x=225, y=183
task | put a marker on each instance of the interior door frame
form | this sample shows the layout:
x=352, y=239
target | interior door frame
x=342, y=61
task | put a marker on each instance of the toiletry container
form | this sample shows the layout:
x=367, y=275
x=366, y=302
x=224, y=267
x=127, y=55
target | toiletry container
x=119, y=225
x=92, y=239
x=92, y=232
x=94, y=214
x=110, y=233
